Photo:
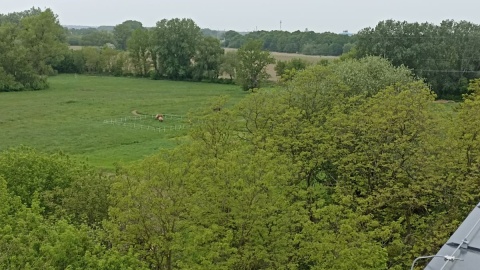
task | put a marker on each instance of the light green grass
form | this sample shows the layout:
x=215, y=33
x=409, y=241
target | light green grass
x=70, y=115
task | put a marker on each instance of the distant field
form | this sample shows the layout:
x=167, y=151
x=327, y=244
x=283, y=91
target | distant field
x=289, y=56
x=71, y=115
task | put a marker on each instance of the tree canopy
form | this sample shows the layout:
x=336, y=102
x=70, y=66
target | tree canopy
x=251, y=65
x=122, y=32
x=444, y=55
x=31, y=42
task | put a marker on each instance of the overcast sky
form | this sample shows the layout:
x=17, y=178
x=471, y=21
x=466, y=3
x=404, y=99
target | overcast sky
x=248, y=15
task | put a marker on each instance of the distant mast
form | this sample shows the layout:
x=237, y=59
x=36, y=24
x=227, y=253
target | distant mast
x=280, y=25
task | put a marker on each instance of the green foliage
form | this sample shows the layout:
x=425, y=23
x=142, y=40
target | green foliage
x=233, y=39
x=151, y=203
x=364, y=139
x=44, y=38
x=296, y=63
x=122, y=32
x=229, y=64
x=97, y=38
x=341, y=239
x=175, y=44
x=446, y=66
x=89, y=37
x=31, y=42
x=252, y=61
x=208, y=59
x=368, y=75
x=48, y=201
x=139, y=51
x=307, y=42
x=94, y=60
x=60, y=186
x=16, y=17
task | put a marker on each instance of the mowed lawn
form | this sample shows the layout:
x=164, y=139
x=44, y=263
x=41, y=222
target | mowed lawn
x=70, y=115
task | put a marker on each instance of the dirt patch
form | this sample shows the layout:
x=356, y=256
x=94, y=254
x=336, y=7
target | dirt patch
x=289, y=56
x=135, y=112
x=75, y=48
x=443, y=101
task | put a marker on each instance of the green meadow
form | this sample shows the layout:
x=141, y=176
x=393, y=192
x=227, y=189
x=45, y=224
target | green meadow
x=93, y=118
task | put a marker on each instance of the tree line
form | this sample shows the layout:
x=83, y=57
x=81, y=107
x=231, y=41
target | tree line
x=33, y=47
x=90, y=36
x=175, y=49
x=307, y=42
x=445, y=55
x=348, y=166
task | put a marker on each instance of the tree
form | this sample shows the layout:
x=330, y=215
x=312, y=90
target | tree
x=18, y=72
x=92, y=58
x=97, y=38
x=291, y=66
x=252, y=63
x=150, y=212
x=175, y=43
x=207, y=59
x=233, y=39
x=368, y=75
x=303, y=123
x=122, y=32
x=28, y=240
x=31, y=42
x=229, y=64
x=138, y=47
x=60, y=186
x=45, y=39
x=16, y=17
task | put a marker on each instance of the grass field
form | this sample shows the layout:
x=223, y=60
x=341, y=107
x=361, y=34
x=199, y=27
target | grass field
x=71, y=115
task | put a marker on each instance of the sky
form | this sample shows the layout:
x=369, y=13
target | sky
x=250, y=15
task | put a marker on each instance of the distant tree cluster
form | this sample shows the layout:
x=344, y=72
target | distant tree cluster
x=89, y=37
x=175, y=49
x=30, y=43
x=446, y=55
x=307, y=42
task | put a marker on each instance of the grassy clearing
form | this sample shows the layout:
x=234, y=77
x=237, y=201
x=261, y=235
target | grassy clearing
x=70, y=116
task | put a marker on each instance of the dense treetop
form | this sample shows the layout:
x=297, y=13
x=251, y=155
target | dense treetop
x=30, y=43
